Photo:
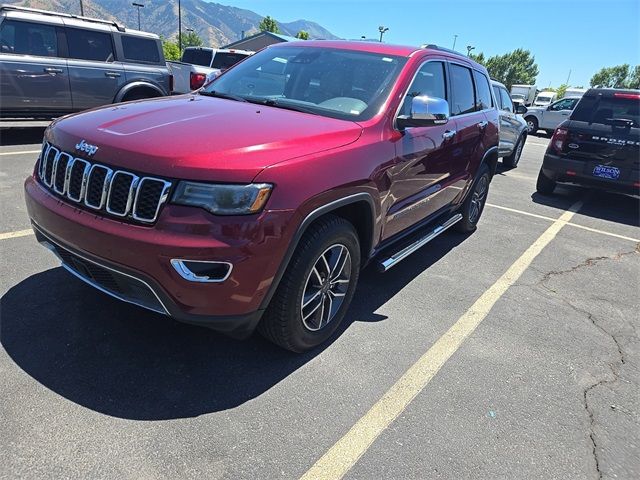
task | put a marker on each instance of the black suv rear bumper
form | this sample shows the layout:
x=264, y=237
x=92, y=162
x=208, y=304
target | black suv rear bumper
x=556, y=168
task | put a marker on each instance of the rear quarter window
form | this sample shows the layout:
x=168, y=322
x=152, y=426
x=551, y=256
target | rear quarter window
x=605, y=110
x=140, y=49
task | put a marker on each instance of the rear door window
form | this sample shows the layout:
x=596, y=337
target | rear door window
x=26, y=38
x=463, y=92
x=483, y=91
x=197, y=56
x=496, y=93
x=140, y=49
x=224, y=60
x=606, y=110
x=90, y=45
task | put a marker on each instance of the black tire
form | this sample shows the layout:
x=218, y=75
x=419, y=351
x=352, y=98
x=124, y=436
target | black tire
x=139, y=95
x=512, y=160
x=545, y=185
x=532, y=125
x=471, y=216
x=283, y=322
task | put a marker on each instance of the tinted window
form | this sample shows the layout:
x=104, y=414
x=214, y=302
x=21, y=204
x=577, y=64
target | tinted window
x=496, y=93
x=463, y=92
x=430, y=81
x=140, y=49
x=483, y=91
x=28, y=39
x=604, y=110
x=225, y=60
x=89, y=45
x=505, y=99
x=197, y=56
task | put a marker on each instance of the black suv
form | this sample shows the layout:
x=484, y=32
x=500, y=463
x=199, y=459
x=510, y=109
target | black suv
x=55, y=63
x=598, y=146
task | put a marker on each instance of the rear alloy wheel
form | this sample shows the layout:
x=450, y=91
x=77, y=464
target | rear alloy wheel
x=532, y=125
x=545, y=185
x=512, y=160
x=317, y=287
x=473, y=206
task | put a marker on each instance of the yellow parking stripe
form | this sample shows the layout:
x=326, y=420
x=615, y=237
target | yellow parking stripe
x=16, y=234
x=343, y=455
x=571, y=224
x=19, y=153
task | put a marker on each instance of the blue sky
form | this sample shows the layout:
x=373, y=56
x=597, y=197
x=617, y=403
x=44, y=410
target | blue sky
x=581, y=35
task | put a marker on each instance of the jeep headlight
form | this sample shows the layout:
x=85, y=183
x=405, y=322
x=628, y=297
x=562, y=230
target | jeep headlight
x=221, y=199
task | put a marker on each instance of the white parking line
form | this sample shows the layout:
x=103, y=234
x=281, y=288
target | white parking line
x=571, y=224
x=16, y=234
x=344, y=454
x=24, y=152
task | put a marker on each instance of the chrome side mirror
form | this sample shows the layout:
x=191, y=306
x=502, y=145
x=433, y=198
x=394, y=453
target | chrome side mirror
x=425, y=112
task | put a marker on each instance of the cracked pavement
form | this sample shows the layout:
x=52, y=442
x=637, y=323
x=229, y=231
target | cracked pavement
x=548, y=386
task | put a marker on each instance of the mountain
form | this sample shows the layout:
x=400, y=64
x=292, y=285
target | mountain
x=216, y=24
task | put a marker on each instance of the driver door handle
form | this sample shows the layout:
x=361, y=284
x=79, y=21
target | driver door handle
x=482, y=125
x=53, y=70
x=449, y=134
x=111, y=74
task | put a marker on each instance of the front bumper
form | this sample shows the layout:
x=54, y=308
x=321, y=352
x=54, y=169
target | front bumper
x=255, y=246
x=556, y=168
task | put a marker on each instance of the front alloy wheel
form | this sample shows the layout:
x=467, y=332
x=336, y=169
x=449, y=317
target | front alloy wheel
x=326, y=287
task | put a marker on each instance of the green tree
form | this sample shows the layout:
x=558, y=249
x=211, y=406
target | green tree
x=478, y=58
x=191, y=39
x=170, y=50
x=620, y=76
x=517, y=67
x=302, y=35
x=562, y=90
x=268, y=24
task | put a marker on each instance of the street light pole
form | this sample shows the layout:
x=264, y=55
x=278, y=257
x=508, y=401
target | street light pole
x=382, y=29
x=469, y=48
x=81, y=9
x=179, y=27
x=138, y=6
x=455, y=37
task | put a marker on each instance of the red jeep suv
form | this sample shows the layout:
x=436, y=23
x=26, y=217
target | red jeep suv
x=257, y=200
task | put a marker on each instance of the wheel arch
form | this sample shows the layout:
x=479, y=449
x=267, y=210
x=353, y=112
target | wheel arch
x=358, y=209
x=138, y=85
x=491, y=159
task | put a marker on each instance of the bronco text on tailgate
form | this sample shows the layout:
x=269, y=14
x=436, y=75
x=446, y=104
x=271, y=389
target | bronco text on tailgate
x=256, y=201
x=599, y=146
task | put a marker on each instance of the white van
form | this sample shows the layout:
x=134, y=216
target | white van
x=545, y=98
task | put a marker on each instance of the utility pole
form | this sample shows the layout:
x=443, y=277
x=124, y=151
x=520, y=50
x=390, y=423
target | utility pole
x=179, y=27
x=469, y=48
x=568, y=77
x=455, y=37
x=81, y=9
x=138, y=6
x=382, y=29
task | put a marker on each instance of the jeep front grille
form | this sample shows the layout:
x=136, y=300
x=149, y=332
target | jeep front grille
x=115, y=192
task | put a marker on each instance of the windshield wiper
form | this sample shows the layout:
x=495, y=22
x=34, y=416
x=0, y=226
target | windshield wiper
x=270, y=102
x=227, y=96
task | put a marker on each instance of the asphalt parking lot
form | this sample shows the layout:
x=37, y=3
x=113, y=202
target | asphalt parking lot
x=509, y=353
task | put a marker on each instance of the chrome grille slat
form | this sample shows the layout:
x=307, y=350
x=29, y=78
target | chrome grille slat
x=119, y=193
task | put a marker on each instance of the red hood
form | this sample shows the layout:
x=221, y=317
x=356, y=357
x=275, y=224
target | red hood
x=199, y=138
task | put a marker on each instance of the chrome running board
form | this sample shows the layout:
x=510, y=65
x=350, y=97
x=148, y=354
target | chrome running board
x=385, y=264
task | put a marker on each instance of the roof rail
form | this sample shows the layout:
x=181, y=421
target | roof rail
x=16, y=8
x=436, y=47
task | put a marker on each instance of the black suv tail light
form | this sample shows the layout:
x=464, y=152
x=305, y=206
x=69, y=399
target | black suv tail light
x=558, y=139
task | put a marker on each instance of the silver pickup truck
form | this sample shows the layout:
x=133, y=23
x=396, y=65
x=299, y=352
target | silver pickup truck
x=199, y=65
x=55, y=63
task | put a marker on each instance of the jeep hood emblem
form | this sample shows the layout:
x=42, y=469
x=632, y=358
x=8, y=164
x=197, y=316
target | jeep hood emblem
x=86, y=147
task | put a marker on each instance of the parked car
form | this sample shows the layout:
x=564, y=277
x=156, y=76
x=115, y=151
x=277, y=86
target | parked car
x=513, y=128
x=200, y=65
x=599, y=146
x=524, y=94
x=544, y=99
x=54, y=63
x=574, y=92
x=548, y=118
x=257, y=200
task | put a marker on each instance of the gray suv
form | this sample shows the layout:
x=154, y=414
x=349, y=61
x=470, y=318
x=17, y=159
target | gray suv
x=53, y=63
x=513, y=128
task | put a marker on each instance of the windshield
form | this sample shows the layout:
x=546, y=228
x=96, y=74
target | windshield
x=517, y=96
x=224, y=60
x=544, y=99
x=336, y=83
